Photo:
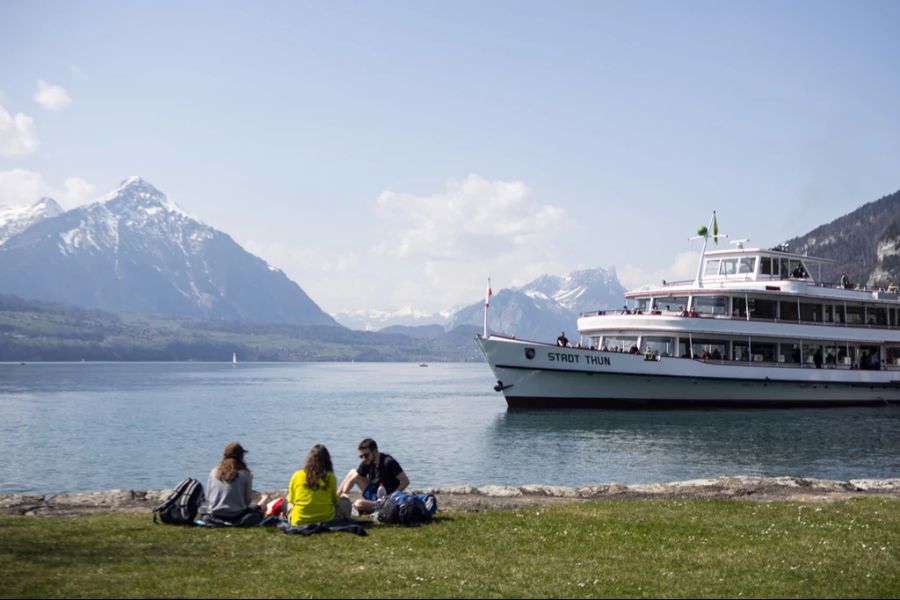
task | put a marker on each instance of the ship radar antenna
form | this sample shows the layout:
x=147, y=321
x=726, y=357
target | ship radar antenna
x=739, y=244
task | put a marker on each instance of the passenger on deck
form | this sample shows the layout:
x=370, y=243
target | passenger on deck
x=716, y=355
x=845, y=281
x=634, y=349
x=562, y=341
x=817, y=358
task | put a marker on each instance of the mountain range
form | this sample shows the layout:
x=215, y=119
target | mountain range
x=135, y=250
x=865, y=243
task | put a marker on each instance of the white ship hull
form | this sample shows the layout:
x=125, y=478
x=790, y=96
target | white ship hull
x=532, y=375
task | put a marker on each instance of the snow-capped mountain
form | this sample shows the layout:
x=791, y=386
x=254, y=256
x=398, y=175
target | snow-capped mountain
x=137, y=251
x=374, y=320
x=542, y=308
x=579, y=291
x=16, y=219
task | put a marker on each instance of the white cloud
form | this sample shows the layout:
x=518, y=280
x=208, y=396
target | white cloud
x=682, y=268
x=21, y=187
x=435, y=251
x=52, y=97
x=468, y=219
x=17, y=135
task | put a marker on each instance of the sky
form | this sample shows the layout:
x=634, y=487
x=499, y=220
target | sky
x=394, y=154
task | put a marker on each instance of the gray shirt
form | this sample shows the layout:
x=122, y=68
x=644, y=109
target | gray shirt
x=229, y=498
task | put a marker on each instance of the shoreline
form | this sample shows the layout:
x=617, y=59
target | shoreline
x=469, y=498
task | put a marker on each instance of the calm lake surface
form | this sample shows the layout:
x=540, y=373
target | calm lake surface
x=93, y=426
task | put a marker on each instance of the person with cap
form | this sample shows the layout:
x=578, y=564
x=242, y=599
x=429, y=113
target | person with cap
x=230, y=487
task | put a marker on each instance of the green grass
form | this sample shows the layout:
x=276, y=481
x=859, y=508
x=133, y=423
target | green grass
x=638, y=548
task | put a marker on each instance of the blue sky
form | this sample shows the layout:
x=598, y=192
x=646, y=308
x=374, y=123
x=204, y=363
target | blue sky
x=397, y=154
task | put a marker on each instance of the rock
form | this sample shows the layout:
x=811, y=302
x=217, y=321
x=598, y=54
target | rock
x=108, y=498
x=556, y=491
x=12, y=500
x=881, y=485
x=495, y=497
x=452, y=489
x=499, y=491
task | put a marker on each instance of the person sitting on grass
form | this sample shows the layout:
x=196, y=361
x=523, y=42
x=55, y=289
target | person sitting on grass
x=230, y=487
x=312, y=492
x=377, y=470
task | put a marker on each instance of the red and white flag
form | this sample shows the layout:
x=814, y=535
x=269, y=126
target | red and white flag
x=487, y=297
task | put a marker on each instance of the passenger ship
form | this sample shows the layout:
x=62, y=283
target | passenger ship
x=755, y=328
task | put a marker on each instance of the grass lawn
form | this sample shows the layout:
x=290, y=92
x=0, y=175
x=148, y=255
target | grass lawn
x=638, y=548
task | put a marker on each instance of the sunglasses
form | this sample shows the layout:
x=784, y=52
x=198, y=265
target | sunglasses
x=365, y=455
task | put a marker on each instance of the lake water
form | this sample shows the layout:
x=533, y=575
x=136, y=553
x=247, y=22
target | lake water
x=89, y=426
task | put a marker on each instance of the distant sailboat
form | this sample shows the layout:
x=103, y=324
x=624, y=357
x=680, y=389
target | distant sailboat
x=234, y=359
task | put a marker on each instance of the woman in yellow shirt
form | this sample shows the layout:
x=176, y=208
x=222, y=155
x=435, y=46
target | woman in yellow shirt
x=313, y=490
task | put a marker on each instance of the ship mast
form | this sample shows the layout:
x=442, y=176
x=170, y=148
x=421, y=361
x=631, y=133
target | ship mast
x=704, y=233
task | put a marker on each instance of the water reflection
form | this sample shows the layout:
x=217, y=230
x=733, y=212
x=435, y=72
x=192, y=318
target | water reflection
x=670, y=445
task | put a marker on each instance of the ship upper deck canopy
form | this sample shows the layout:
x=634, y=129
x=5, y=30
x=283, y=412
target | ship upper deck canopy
x=755, y=263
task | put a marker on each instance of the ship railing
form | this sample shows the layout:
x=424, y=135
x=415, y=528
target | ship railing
x=701, y=315
x=890, y=289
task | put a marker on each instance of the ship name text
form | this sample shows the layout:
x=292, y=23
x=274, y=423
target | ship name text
x=576, y=359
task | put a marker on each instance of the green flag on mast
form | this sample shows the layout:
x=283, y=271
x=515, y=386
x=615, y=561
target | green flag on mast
x=715, y=229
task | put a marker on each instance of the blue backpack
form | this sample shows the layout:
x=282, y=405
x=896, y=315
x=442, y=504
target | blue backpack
x=401, y=508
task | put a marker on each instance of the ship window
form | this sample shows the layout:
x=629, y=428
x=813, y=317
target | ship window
x=892, y=355
x=831, y=353
x=854, y=314
x=728, y=266
x=869, y=358
x=809, y=354
x=839, y=315
x=711, y=305
x=796, y=269
x=843, y=358
x=672, y=303
x=762, y=309
x=810, y=312
x=658, y=345
x=765, y=265
x=783, y=267
x=763, y=351
x=788, y=310
x=876, y=315
x=747, y=265
x=643, y=304
x=741, y=351
x=789, y=353
x=739, y=307
x=710, y=349
x=619, y=343
x=712, y=266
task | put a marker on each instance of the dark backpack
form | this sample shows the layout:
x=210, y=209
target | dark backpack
x=401, y=508
x=181, y=507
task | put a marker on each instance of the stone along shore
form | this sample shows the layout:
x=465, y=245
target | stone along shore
x=495, y=497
